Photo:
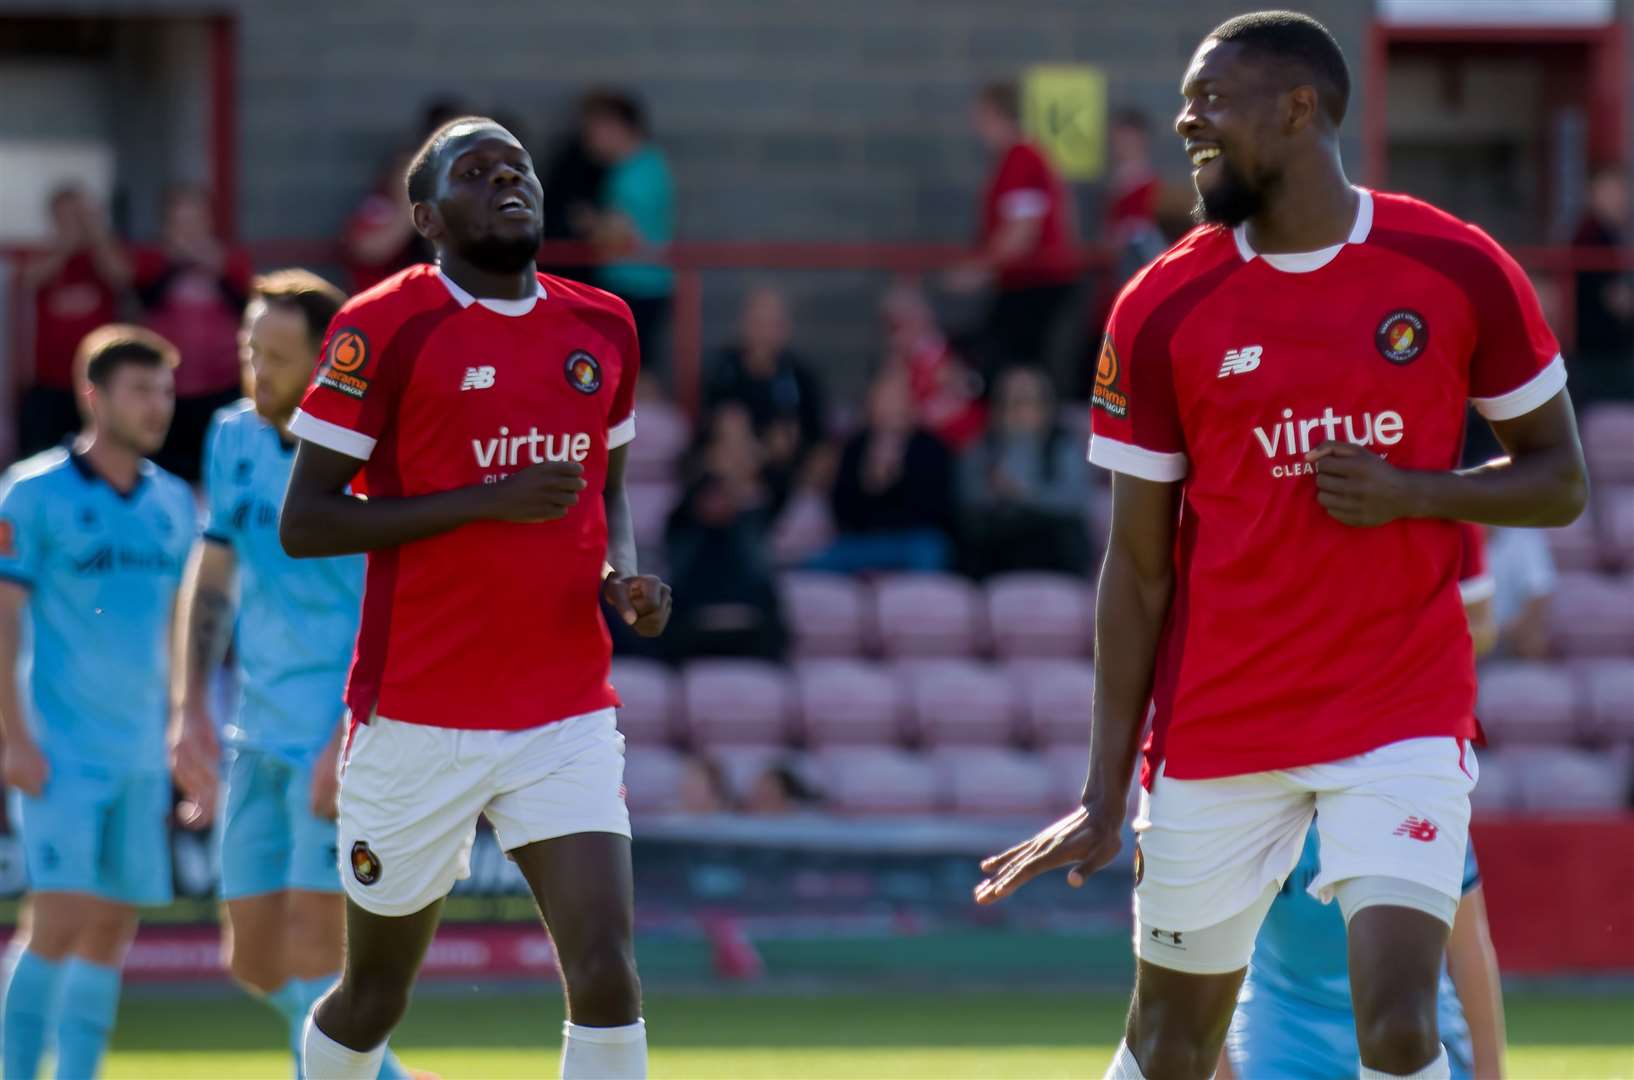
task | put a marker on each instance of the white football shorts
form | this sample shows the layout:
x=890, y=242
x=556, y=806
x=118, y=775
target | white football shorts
x=410, y=795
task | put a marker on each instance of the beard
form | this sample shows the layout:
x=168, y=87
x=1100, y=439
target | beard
x=1233, y=200
x=504, y=254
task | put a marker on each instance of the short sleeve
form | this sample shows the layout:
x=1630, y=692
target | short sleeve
x=353, y=391
x=1516, y=365
x=1023, y=188
x=218, y=526
x=621, y=414
x=1134, y=419
x=22, y=541
x=1475, y=581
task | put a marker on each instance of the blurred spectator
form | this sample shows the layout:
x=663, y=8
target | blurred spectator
x=193, y=287
x=76, y=284
x=438, y=111
x=573, y=181
x=636, y=217
x=772, y=382
x=1603, y=367
x=779, y=790
x=703, y=788
x=1024, y=488
x=719, y=546
x=1524, y=573
x=1027, y=242
x=893, y=495
x=380, y=236
x=1132, y=193
x=947, y=395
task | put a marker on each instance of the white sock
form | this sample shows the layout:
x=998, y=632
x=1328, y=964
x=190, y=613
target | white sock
x=604, y=1053
x=326, y=1059
x=1439, y=1069
x=1124, y=1066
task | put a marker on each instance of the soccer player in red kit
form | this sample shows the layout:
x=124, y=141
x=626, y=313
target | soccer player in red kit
x=482, y=410
x=1280, y=397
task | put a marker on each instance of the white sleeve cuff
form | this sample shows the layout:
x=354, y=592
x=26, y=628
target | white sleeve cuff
x=621, y=432
x=1137, y=461
x=1526, y=397
x=1023, y=204
x=342, y=440
x=1480, y=587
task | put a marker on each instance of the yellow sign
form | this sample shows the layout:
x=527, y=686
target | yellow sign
x=1064, y=109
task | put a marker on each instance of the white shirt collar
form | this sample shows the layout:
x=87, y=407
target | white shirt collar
x=513, y=308
x=1303, y=262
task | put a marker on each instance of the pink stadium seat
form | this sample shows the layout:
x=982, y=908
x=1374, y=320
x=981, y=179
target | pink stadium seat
x=1574, y=781
x=736, y=702
x=1575, y=547
x=1617, y=522
x=1497, y=791
x=650, y=505
x=1067, y=767
x=1526, y=702
x=960, y=703
x=1055, y=700
x=1035, y=615
x=648, y=691
x=804, y=528
x=652, y=778
x=662, y=432
x=1608, y=692
x=927, y=615
x=848, y=702
x=826, y=612
x=1608, y=441
x=1593, y=615
x=987, y=780
x=876, y=780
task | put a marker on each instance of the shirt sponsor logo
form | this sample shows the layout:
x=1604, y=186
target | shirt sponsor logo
x=478, y=378
x=583, y=372
x=348, y=353
x=1108, y=393
x=1401, y=336
x=108, y=559
x=1241, y=361
x=1292, y=437
x=508, y=451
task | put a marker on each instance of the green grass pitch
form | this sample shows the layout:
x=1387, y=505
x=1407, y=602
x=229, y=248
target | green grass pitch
x=909, y=1034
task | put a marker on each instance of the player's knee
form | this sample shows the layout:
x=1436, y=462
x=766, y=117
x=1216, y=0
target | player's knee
x=1398, y=1035
x=603, y=988
x=252, y=968
x=106, y=937
x=373, y=1007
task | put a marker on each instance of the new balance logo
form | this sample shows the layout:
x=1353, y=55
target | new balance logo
x=1241, y=361
x=1422, y=829
x=478, y=378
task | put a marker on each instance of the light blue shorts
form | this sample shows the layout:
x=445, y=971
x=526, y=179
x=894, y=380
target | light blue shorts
x=98, y=831
x=270, y=839
x=1276, y=1037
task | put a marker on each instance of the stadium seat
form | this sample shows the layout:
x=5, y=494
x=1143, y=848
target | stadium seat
x=959, y=703
x=650, y=506
x=1067, y=766
x=652, y=778
x=1055, y=698
x=662, y=434
x=848, y=702
x=803, y=529
x=1497, y=791
x=1607, y=690
x=927, y=615
x=1526, y=702
x=1036, y=614
x=876, y=780
x=1617, y=522
x=988, y=780
x=826, y=613
x=1593, y=615
x=1576, y=546
x=1560, y=779
x=648, y=691
x=1608, y=442
x=736, y=703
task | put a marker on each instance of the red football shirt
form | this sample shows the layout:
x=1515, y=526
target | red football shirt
x=1025, y=186
x=1293, y=639
x=66, y=308
x=496, y=624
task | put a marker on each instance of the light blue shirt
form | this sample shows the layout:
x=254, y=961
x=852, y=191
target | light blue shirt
x=102, y=569
x=640, y=188
x=297, y=618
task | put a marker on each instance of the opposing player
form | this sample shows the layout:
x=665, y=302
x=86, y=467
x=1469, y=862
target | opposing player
x=294, y=628
x=1281, y=399
x=485, y=410
x=1293, y=1015
x=92, y=542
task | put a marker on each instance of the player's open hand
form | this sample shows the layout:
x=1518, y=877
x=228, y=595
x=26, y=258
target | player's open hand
x=542, y=492
x=1084, y=840
x=24, y=767
x=642, y=601
x=195, y=762
x=1359, y=488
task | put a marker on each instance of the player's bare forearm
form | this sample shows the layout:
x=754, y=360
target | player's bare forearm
x=206, y=622
x=321, y=518
x=621, y=551
x=1473, y=965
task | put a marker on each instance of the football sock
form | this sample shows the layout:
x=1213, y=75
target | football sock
x=326, y=1059
x=1124, y=1066
x=604, y=1053
x=32, y=997
x=1439, y=1069
x=90, y=998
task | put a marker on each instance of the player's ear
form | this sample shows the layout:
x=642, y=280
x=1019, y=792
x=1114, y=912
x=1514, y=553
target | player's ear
x=1299, y=109
x=428, y=221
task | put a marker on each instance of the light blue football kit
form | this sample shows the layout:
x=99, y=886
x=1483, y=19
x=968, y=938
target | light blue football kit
x=1293, y=1017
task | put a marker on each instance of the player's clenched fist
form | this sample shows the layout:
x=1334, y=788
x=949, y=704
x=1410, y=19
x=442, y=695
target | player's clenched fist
x=643, y=602
x=1359, y=488
x=23, y=766
x=542, y=492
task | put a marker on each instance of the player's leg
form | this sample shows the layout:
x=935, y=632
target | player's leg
x=33, y=992
x=90, y=985
x=1277, y=1036
x=1396, y=959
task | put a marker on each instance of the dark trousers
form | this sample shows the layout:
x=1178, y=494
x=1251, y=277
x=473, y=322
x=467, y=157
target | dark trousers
x=1018, y=327
x=47, y=417
x=183, y=451
x=652, y=318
